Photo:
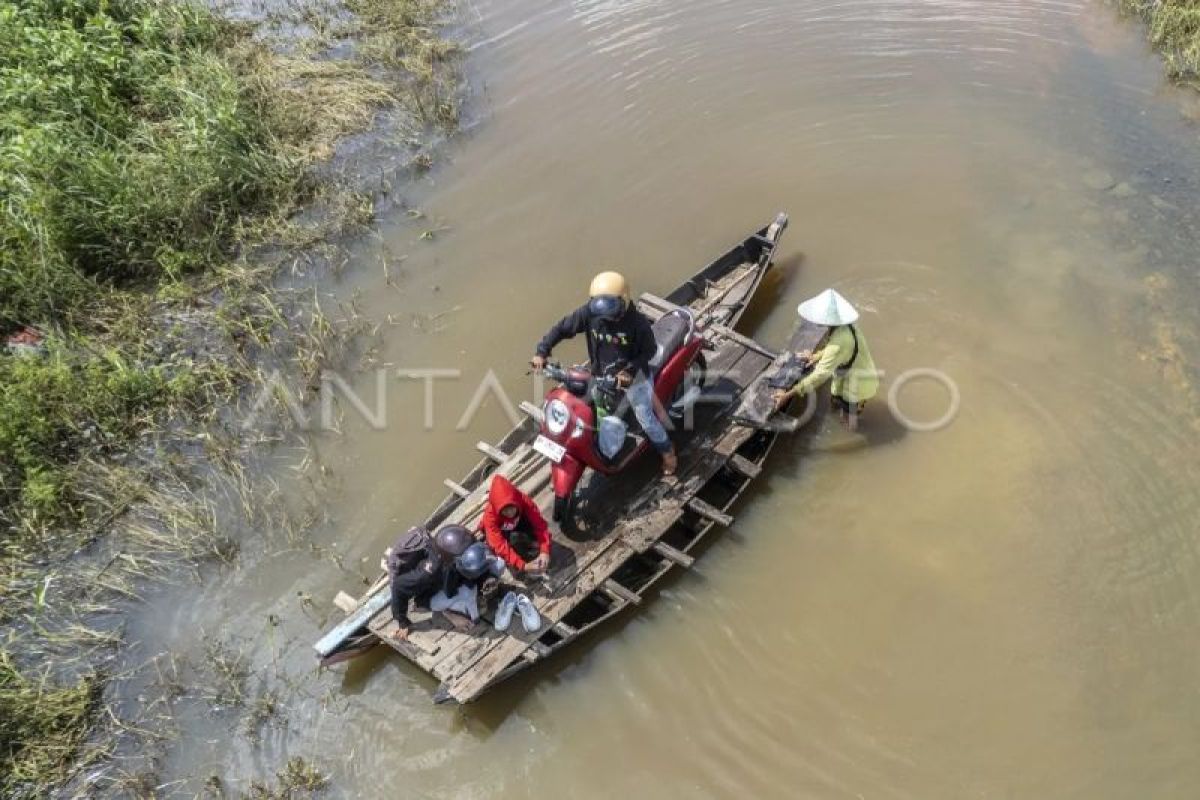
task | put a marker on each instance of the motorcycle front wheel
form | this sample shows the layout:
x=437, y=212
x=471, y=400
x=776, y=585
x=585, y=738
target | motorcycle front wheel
x=564, y=509
x=564, y=512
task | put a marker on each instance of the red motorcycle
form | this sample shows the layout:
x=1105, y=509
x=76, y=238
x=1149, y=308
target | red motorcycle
x=584, y=419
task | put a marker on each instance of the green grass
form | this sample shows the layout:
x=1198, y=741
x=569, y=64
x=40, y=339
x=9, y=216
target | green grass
x=53, y=407
x=148, y=150
x=132, y=151
x=1175, y=30
x=129, y=150
x=143, y=145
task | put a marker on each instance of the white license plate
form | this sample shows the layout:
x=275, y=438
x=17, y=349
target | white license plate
x=551, y=450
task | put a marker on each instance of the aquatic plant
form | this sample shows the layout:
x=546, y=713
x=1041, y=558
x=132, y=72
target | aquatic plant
x=41, y=726
x=1174, y=27
x=299, y=778
x=402, y=34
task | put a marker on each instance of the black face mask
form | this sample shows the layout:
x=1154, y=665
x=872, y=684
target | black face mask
x=606, y=306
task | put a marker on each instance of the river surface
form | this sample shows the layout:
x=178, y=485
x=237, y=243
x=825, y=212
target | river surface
x=1008, y=607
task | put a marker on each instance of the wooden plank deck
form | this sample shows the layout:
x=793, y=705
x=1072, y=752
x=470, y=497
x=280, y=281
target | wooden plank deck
x=622, y=549
x=468, y=662
x=647, y=516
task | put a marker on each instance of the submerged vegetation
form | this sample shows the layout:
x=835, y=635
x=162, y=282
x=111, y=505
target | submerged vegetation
x=153, y=158
x=298, y=779
x=41, y=727
x=1175, y=30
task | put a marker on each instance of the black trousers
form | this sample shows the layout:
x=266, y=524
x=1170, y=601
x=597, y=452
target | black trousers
x=522, y=540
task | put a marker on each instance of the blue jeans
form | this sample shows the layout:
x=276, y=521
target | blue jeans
x=641, y=396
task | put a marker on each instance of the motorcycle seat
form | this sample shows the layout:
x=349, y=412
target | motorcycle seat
x=669, y=332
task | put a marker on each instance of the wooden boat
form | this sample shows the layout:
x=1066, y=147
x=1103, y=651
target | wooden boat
x=644, y=527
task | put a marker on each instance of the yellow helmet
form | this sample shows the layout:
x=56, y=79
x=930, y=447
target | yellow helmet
x=612, y=284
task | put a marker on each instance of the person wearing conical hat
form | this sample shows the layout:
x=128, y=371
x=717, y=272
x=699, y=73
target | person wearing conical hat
x=842, y=355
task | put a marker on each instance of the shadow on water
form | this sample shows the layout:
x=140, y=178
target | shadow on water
x=771, y=292
x=879, y=428
x=359, y=671
x=485, y=716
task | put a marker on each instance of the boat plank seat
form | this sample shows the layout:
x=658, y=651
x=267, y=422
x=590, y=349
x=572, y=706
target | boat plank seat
x=658, y=305
x=671, y=554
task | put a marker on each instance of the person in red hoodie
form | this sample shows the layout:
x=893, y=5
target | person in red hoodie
x=515, y=529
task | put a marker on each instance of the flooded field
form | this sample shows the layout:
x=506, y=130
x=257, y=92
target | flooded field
x=1006, y=607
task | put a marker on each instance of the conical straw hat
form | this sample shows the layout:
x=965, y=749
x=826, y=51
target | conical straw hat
x=828, y=308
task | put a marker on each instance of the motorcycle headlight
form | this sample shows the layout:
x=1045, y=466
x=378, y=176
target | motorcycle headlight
x=557, y=416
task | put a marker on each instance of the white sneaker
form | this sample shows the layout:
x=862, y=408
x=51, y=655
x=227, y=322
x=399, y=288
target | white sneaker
x=530, y=619
x=504, y=612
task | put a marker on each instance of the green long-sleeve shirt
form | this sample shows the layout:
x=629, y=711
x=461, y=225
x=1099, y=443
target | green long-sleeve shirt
x=859, y=383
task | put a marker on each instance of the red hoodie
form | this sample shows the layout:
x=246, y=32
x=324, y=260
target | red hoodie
x=496, y=527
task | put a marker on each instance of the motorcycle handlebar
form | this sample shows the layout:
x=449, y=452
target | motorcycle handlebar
x=556, y=371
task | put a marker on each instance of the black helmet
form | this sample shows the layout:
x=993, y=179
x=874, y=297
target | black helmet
x=452, y=540
x=474, y=561
x=606, y=306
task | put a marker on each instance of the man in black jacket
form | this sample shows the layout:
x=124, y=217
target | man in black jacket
x=419, y=567
x=618, y=337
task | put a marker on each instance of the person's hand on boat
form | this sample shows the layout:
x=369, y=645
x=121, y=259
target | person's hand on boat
x=539, y=564
x=400, y=634
x=805, y=356
x=538, y=363
x=781, y=398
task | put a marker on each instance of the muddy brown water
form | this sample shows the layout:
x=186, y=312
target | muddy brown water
x=1007, y=607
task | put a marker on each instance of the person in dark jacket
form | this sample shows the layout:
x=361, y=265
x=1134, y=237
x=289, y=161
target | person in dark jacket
x=417, y=579
x=618, y=337
x=467, y=583
x=515, y=529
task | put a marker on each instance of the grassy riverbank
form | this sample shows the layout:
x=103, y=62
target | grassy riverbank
x=1175, y=30
x=151, y=153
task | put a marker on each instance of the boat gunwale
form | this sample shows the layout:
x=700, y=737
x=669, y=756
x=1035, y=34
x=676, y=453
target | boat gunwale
x=756, y=249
